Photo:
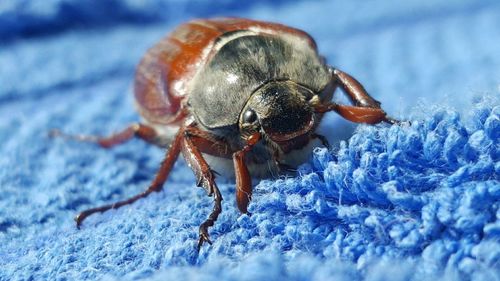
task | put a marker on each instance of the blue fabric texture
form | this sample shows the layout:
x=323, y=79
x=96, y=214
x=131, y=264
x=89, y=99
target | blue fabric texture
x=418, y=201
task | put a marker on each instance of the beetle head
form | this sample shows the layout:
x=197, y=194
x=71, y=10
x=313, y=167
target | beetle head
x=280, y=110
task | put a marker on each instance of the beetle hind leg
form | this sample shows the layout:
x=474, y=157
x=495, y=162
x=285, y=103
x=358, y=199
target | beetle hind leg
x=155, y=186
x=138, y=130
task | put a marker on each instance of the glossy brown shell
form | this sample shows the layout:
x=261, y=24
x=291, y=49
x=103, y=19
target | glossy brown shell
x=164, y=75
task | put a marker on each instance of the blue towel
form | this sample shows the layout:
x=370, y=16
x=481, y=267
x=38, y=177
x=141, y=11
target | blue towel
x=413, y=202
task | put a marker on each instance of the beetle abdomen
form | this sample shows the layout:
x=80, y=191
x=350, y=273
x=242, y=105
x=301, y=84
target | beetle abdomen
x=165, y=73
x=162, y=76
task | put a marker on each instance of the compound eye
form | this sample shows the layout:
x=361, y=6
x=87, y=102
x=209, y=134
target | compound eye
x=249, y=116
x=307, y=96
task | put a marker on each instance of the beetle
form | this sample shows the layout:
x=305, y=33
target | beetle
x=234, y=91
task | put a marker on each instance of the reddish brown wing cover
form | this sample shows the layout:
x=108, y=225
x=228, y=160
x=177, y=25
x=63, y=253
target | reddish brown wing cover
x=164, y=73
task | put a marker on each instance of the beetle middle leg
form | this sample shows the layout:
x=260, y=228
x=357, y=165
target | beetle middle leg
x=138, y=130
x=194, y=143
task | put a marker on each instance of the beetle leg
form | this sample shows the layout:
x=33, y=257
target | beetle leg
x=356, y=92
x=155, y=186
x=365, y=110
x=243, y=179
x=282, y=166
x=356, y=114
x=204, y=178
x=208, y=143
x=135, y=130
x=321, y=138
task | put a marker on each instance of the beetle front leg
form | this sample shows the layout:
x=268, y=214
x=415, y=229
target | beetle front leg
x=243, y=179
x=157, y=184
x=141, y=131
x=204, y=178
x=365, y=110
x=356, y=92
x=355, y=114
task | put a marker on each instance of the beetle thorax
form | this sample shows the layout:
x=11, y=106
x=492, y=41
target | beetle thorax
x=238, y=68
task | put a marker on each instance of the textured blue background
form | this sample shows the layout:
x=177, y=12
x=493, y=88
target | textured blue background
x=388, y=203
